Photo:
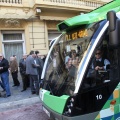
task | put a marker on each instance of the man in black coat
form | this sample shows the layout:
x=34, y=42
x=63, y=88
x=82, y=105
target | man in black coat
x=25, y=77
x=40, y=63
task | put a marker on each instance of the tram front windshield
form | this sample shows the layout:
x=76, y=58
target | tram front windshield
x=65, y=58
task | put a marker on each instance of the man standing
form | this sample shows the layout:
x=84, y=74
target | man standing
x=40, y=63
x=14, y=71
x=31, y=70
x=1, y=84
x=22, y=66
x=4, y=65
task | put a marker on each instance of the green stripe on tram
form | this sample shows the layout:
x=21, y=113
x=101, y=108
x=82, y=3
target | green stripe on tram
x=55, y=103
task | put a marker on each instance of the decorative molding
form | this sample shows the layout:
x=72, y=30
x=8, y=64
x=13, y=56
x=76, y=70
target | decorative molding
x=23, y=14
x=11, y=15
x=12, y=23
x=26, y=10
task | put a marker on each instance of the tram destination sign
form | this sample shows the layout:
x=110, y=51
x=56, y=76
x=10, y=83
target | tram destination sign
x=76, y=34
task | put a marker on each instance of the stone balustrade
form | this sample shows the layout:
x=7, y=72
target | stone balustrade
x=11, y=1
x=89, y=3
x=71, y=3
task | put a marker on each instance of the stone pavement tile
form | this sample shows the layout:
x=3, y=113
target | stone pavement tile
x=19, y=104
x=33, y=112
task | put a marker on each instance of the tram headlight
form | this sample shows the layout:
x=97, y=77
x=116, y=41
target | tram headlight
x=69, y=110
x=68, y=106
x=72, y=100
x=71, y=104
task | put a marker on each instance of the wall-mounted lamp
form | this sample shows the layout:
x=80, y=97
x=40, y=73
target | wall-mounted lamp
x=81, y=13
x=38, y=10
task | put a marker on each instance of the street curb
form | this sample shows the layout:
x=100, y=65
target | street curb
x=18, y=104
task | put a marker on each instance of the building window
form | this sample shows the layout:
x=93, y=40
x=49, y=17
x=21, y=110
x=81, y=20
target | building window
x=17, y=36
x=13, y=44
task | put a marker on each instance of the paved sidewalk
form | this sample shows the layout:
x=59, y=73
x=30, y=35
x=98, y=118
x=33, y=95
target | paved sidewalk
x=17, y=98
x=32, y=112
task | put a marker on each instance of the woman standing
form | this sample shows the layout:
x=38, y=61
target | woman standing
x=14, y=71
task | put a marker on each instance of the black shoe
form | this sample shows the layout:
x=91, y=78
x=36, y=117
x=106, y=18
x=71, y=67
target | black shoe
x=3, y=90
x=7, y=96
x=33, y=92
x=37, y=93
x=14, y=85
x=23, y=90
x=18, y=84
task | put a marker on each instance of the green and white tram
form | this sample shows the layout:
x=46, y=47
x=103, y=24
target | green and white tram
x=70, y=88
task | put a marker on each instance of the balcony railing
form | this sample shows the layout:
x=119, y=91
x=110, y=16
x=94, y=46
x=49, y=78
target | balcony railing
x=89, y=3
x=71, y=3
x=11, y=1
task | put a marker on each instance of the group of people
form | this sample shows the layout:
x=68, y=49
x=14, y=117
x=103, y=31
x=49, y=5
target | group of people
x=72, y=59
x=34, y=66
x=30, y=67
x=98, y=69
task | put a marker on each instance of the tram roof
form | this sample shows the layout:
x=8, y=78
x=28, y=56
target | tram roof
x=91, y=17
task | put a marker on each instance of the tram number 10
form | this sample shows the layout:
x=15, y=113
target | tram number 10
x=99, y=97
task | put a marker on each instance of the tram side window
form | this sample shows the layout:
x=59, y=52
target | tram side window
x=54, y=70
x=103, y=68
x=101, y=78
x=72, y=52
x=97, y=72
x=115, y=65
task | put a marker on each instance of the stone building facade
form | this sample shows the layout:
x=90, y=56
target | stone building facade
x=31, y=24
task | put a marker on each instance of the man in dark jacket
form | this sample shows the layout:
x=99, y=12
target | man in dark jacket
x=99, y=67
x=31, y=70
x=99, y=62
x=4, y=65
x=40, y=63
x=25, y=77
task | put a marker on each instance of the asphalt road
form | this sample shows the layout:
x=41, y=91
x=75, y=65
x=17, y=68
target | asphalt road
x=33, y=112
